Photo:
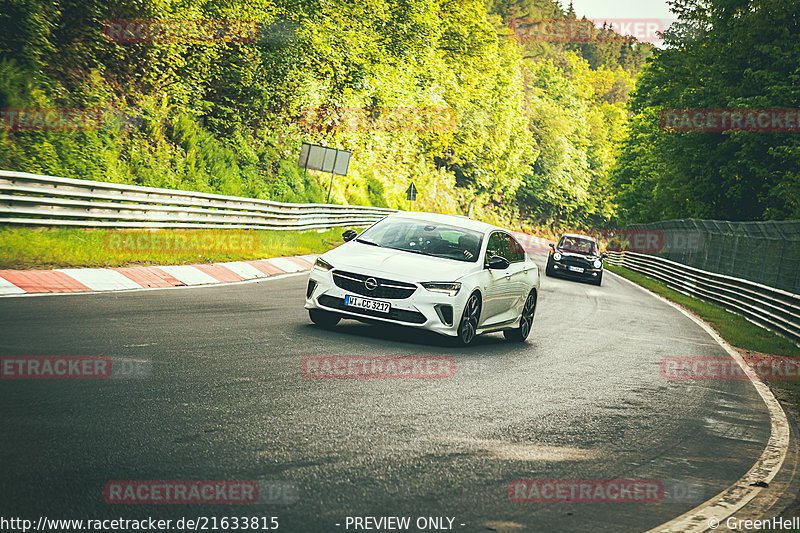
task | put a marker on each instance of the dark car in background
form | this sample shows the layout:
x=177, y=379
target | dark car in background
x=576, y=256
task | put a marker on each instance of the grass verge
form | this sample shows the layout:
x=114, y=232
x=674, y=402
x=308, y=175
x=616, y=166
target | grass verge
x=45, y=248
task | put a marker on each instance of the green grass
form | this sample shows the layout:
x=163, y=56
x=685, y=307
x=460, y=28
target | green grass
x=35, y=248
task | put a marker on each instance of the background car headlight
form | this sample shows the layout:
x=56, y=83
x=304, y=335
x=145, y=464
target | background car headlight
x=323, y=265
x=598, y=263
x=451, y=289
x=557, y=256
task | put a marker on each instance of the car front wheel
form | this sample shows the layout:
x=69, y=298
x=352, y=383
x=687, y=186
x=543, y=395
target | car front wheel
x=324, y=319
x=525, y=321
x=469, y=320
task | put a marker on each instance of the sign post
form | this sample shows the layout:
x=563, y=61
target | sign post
x=411, y=194
x=325, y=159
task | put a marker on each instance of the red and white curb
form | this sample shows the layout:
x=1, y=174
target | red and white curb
x=72, y=280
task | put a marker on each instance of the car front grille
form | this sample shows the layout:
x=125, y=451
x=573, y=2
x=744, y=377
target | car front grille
x=577, y=261
x=386, y=288
x=401, y=315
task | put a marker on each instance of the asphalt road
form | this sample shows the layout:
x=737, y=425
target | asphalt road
x=582, y=399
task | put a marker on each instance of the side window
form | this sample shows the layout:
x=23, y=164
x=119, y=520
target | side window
x=516, y=252
x=497, y=245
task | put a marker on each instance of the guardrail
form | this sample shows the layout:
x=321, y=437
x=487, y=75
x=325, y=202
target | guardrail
x=774, y=309
x=33, y=199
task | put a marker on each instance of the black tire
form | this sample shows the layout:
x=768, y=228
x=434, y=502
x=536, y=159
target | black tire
x=521, y=333
x=469, y=320
x=599, y=280
x=324, y=319
x=548, y=270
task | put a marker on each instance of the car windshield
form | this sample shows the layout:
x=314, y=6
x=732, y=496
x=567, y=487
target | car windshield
x=578, y=245
x=424, y=237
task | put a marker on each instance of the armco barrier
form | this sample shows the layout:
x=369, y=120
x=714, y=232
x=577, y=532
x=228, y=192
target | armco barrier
x=774, y=309
x=50, y=201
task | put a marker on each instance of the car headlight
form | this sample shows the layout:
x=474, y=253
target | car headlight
x=598, y=263
x=557, y=256
x=322, y=265
x=451, y=289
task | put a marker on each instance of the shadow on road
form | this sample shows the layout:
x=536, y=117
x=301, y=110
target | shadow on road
x=492, y=343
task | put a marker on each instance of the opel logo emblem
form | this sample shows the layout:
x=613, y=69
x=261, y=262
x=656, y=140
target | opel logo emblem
x=371, y=284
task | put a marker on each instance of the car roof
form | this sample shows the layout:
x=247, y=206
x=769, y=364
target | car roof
x=453, y=220
x=579, y=236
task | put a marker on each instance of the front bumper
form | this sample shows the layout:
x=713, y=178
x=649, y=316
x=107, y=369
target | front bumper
x=424, y=309
x=561, y=269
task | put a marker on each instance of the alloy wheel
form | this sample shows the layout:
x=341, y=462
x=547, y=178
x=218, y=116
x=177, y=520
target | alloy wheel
x=469, y=321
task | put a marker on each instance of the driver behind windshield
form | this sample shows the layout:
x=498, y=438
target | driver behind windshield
x=469, y=244
x=578, y=245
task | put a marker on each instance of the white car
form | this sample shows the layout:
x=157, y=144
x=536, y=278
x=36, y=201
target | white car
x=448, y=274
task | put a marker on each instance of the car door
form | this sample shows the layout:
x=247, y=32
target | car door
x=517, y=275
x=497, y=292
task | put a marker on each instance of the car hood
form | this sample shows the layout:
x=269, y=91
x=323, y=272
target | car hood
x=396, y=264
x=576, y=255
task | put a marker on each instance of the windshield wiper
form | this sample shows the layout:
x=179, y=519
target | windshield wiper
x=362, y=241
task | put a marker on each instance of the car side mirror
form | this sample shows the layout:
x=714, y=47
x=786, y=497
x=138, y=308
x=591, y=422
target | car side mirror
x=349, y=235
x=552, y=245
x=498, y=263
x=603, y=255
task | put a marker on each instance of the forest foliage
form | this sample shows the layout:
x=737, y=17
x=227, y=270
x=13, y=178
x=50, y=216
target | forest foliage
x=524, y=131
x=722, y=54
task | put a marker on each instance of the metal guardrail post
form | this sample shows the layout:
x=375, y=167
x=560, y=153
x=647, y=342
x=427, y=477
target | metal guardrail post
x=780, y=258
x=735, y=249
x=797, y=281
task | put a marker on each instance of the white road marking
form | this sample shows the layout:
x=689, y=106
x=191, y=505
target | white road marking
x=189, y=275
x=284, y=264
x=244, y=270
x=6, y=287
x=100, y=279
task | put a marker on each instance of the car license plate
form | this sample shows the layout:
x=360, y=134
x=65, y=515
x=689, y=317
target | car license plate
x=366, y=303
x=574, y=269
